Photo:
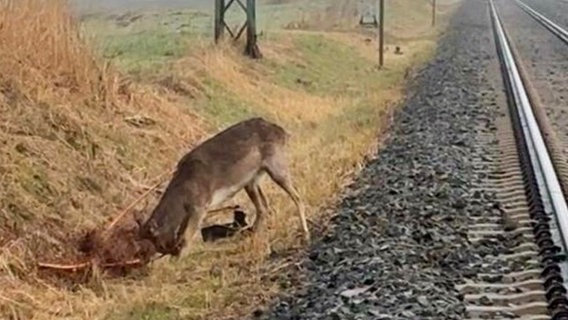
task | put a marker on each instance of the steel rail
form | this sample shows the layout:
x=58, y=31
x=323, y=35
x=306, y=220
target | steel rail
x=547, y=23
x=539, y=154
x=545, y=195
x=545, y=192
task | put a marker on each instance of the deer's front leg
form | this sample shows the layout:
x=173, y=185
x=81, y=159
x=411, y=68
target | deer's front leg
x=190, y=227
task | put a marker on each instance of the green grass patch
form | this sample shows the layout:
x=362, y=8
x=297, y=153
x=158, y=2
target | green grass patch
x=222, y=106
x=327, y=67
x=145, y=42
x=144, y=51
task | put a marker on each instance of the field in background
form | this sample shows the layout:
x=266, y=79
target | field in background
x=86, y=127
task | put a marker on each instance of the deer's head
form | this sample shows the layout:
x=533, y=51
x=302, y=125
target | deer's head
x=164, y=240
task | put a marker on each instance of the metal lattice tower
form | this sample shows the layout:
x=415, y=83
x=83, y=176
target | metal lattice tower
x=249, y=8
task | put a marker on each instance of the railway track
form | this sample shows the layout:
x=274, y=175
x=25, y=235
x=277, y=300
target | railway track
x=526, y=174
x=547, y=23
x=489, y=215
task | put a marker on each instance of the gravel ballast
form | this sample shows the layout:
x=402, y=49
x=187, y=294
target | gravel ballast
x=398, y=243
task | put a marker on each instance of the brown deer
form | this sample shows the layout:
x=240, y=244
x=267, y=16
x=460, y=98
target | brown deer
x=214, y=172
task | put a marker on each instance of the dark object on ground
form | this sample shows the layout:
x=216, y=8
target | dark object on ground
x=397, y=50
x=216, y=232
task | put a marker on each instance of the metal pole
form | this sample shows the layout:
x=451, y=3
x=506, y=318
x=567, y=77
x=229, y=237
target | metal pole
x=381, y=31
x=433, y=13
x=219, y=19
x=252, y=49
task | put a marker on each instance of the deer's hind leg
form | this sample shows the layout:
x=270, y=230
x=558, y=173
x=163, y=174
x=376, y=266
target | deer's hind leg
x=255, y=195
x=277, y=169
x=259, y=242
x=263, y=198
x=256, y=184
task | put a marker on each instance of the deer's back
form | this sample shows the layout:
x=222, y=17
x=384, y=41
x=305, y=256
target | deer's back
x=234, y=154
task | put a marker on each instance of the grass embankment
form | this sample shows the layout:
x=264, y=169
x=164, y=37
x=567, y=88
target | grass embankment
x=81, y=139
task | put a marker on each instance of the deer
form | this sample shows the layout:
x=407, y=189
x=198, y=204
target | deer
x=214, y=172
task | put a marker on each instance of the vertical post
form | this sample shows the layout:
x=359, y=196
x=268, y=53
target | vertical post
x=219, y=19
x=252, y=49
x=433, y=13
x=381, y=31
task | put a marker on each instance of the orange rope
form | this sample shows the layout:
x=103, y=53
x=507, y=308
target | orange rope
x=83, y=265
x=137, y=200
x=71, y=267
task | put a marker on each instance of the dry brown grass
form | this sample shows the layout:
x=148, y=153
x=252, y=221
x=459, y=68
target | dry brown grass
x=247, y=80
x=72, y=151
x=79, y=142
